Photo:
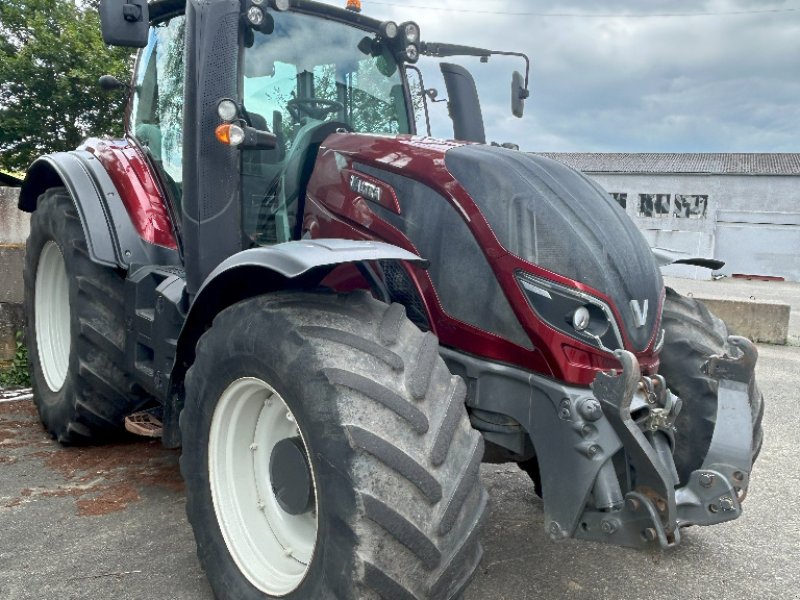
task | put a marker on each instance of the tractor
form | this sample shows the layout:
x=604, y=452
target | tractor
x=339, y=319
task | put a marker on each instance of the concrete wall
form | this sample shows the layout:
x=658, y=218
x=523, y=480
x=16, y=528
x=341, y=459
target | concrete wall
x=752, y=221
x=13, y=233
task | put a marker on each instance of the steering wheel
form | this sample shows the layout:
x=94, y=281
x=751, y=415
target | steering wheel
x=316, y=108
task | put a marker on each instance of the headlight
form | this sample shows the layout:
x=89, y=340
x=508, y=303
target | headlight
x=574, y=313
x=227, y=109
x=255, y=15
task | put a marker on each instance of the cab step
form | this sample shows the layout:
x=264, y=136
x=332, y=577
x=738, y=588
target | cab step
x=146, y=423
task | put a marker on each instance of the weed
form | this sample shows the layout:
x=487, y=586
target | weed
x=17, y=373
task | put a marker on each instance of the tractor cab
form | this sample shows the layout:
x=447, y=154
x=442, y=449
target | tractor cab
x=304, y=80
x=303, y=71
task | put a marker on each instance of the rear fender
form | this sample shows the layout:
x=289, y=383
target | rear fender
x=111, y=237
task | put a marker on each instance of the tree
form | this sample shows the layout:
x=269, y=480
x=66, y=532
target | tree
x=51, y=55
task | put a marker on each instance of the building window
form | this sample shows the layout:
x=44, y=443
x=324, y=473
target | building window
x=621, y=199
x=690, y=207
x=654, y=205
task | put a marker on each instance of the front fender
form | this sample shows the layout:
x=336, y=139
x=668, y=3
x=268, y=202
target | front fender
x=299, y=265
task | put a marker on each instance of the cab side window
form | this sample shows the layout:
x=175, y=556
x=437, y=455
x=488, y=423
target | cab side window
x=156, y=116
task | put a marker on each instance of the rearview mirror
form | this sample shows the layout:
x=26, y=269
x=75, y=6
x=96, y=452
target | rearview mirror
x=518, y=94
x=125, y=22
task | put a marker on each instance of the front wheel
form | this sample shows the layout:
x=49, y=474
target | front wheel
x=327, y=454
x=692, y=334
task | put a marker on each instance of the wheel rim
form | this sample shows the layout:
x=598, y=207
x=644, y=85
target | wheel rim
x=52, y=316
x=272, y=548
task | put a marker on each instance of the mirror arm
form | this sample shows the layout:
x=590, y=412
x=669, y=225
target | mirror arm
x=527, y=68
x=423, y=95
x=437, y=49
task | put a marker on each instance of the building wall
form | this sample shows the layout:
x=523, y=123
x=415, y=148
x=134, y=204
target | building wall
x=752, y=222
x=13, y=233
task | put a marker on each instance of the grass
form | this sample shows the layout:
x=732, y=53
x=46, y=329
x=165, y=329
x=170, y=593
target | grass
x=17, y=373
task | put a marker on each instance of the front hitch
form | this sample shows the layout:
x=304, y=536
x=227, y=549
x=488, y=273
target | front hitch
x=653, y=510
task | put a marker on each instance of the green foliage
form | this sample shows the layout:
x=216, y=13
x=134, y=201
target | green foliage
x=17, y=373
x=51, y=55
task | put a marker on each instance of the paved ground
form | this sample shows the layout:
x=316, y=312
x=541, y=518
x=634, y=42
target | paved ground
x=109, y=523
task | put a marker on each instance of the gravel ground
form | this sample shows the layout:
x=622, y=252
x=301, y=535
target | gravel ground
x=109, y=522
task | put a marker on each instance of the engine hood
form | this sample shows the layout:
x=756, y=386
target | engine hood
x=555, y=217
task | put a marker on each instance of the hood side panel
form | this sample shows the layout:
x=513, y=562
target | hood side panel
x=552, y=216
x=465, y=283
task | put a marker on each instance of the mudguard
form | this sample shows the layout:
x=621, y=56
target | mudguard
x=292, y=265
x=111, y=237
x=300, y=264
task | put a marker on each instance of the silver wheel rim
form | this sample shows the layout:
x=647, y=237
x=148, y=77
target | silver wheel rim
x=271, y=548
x=51, y=306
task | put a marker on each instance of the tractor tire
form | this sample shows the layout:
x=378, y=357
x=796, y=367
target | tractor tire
x=75, y=330
x=692, y=333
x=394, y=505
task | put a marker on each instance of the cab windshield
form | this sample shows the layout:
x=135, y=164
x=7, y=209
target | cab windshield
x=310, y=77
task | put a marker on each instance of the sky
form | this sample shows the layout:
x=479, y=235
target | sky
x=621, y=76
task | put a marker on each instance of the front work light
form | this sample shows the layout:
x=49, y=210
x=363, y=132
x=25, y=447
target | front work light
x=389, y=30
x=411, y=32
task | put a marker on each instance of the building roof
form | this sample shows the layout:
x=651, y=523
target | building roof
x=787, y=163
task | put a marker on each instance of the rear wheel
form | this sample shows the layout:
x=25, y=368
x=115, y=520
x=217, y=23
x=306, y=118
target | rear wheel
x=327, y=454
x=75, y=329
x=692, y=334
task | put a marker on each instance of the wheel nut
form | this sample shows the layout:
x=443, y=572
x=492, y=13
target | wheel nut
x=726, y=503
x=632, y=504
x=649, y=534
x=707, y=479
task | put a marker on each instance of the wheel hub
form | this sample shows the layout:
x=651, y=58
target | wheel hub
x=290, y=476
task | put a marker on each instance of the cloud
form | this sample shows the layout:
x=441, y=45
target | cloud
x=681, y=84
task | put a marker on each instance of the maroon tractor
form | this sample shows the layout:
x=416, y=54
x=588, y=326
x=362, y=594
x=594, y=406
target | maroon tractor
x=339, y=320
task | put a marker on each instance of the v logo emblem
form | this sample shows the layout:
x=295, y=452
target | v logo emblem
x=639, y=312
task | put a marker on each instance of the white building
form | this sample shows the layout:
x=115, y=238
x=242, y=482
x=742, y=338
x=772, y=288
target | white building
x=740, y=208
